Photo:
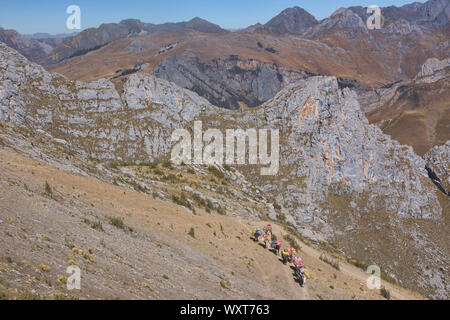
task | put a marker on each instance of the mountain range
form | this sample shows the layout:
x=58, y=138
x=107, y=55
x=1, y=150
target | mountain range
x=363, y=117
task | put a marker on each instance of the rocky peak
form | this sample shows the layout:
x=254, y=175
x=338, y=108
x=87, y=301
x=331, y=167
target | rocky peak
x=294, y=20
x=342, y=18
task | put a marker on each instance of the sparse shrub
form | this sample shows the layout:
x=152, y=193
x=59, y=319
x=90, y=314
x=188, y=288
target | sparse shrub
x=48, y=190
x=146, y=285
x=87, y=256
x=363, y=265
x=97, y=225
x=221, y=210
x=171, y=178
x=4, y=296
x=388, y=278
x=158, y=172
x=26, y=263
x=44, y=268
x=333, y=263
x=165, y=276
x=359, y=264
x=168, y=165
x=216, y=172
x=292, y=242
x=69, y=243
x=223, y=284
x=281, y=217
x=182, y=201
x=73, y=263
x=137, y=187
x=227, y=167
x=190, y=171
x=151, y=165
x=62, y=279
x=117, y=222
x=276, y=206
x=385, y=293
x=192, y=233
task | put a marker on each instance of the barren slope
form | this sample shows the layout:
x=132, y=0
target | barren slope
x=152, y=256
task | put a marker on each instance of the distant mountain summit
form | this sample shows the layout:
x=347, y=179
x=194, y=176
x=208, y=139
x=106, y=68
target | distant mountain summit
x=294, y=20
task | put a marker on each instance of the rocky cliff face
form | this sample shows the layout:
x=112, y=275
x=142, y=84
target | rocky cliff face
x=341, y=179
x=230, y=83
x=438, y=166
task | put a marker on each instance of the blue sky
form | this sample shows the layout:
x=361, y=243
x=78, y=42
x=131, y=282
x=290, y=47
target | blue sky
x=30, y=16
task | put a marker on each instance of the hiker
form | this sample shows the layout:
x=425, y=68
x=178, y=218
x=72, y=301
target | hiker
x=291, y=253
x=300, y=270
x=266, y=239
x=298, y=262
x=268, y=230
x=276, y=246
x=257, y=234
x=285, y=255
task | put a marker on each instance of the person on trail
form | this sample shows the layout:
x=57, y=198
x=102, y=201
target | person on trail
x=290, y=253
x=276, y=246
x=300, y=270
x=268, y=230
x=257, y=234
x=285, y=255
x=298, y=262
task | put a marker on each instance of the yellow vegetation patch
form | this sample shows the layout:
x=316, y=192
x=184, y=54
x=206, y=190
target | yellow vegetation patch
x=87, y=256
x=44, y=268
x=146, y=285
x=62, y=279
x=73, y=263
x=25, y=263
